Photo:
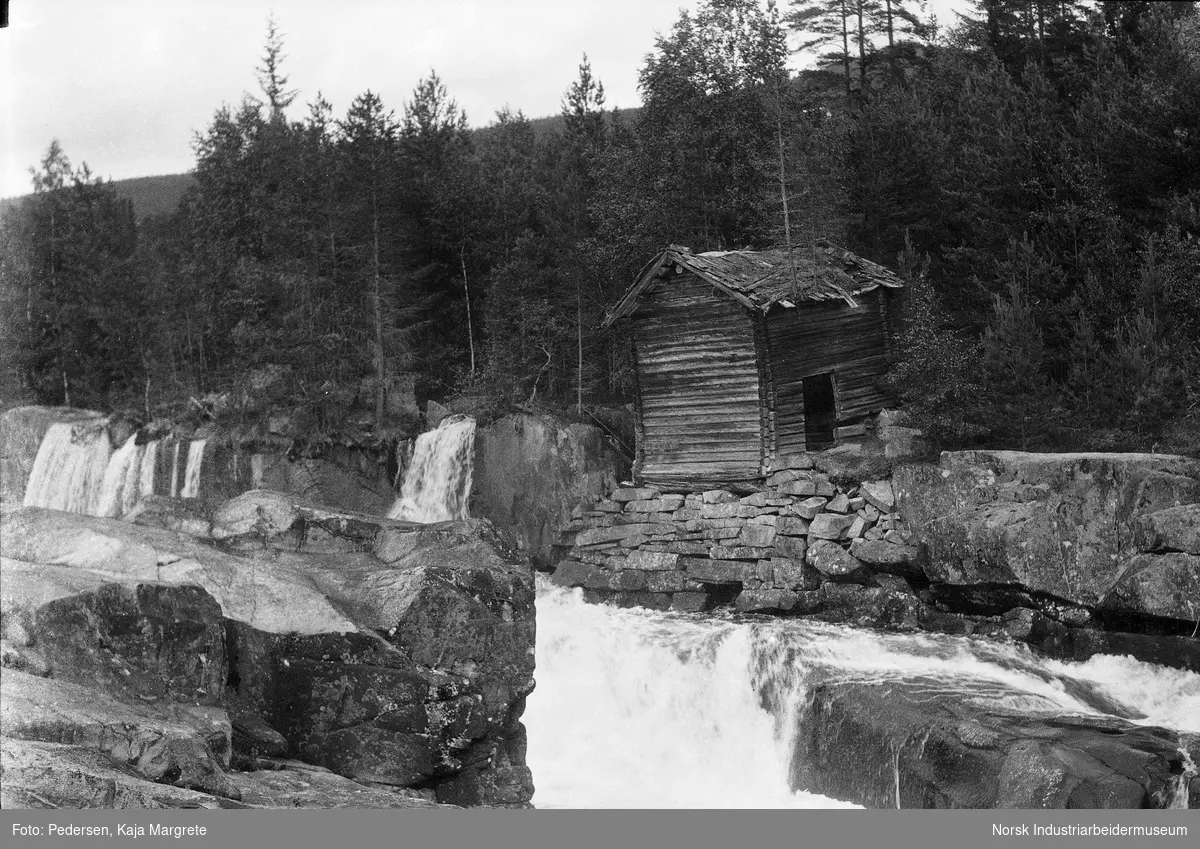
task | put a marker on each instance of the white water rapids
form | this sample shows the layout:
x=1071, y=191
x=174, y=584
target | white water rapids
x=637, y=708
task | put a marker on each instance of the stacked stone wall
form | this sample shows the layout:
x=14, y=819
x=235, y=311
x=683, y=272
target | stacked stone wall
x=775, y=550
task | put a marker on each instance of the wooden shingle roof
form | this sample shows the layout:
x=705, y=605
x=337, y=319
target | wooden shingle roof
x=760, y=280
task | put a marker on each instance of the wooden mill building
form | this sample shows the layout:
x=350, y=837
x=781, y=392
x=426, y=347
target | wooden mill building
x=742, y=356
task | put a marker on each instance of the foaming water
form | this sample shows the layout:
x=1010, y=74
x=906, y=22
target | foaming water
x=636, y=708
x=437, y=485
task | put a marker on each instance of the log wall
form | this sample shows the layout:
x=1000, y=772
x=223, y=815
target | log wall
x=698, y=384
x=827, y=337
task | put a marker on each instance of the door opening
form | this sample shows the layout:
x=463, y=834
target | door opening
x=820, y=411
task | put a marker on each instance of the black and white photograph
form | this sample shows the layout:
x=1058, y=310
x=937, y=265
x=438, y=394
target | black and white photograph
x=658, y=405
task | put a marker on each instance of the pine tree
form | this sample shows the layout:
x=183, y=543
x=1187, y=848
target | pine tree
x=369, y=150
x=271, y=78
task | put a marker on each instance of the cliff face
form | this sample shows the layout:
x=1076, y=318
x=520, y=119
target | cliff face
x=531, y=472
x=1115, y=535
x=377, y=651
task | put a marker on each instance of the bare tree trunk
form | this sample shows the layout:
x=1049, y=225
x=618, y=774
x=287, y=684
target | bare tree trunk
x=783, y=193
x=377, y=304
x=579, y=343
x=846, y=47
x=862, y=52
x=462, y=258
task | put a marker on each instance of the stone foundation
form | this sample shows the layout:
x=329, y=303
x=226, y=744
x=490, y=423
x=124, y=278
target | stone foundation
x=769, y=551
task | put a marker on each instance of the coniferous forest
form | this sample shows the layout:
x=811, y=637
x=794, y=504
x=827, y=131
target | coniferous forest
x=1032, y=172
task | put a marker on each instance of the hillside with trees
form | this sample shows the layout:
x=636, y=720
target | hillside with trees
x=1033, y=172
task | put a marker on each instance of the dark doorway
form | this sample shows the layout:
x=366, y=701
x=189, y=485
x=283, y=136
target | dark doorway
x=820, y=412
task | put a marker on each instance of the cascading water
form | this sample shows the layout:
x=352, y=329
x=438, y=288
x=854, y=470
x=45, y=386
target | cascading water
x=122, y=479
x=437, y=485
x=191, y=477
x=68, y=472
x=636, y=708
x=76, y=470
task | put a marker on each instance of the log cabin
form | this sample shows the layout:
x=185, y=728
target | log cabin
x=744, y=356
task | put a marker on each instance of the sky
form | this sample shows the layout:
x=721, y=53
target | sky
x=126, y=84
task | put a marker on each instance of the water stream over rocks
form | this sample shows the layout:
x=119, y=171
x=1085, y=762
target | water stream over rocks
x=76, y=470
x=437, y=485
x=640, y=708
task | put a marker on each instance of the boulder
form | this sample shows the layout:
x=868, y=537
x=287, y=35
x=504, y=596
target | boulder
x=133, y=638
x=392, y=665
x=1166, y=585
x=1172, y=529
x=836, y=564
x=530, y=471
x=178, y=744
x=885, y=556
x=61, y=775
x=1060, y=524
x=295, y=784
x=918, y=744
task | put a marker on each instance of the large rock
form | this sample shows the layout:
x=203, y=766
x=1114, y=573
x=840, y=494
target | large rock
x=400, y=666
x=915, y=744
x=135, y=637
x=62, y=775
x=836, y=564
x=38, y=774
x=1060, y=524
x=887, y=557
x=531, y=471
x=181, y=745
x=1173, y=529
x=295, y=784
x=1165, y=585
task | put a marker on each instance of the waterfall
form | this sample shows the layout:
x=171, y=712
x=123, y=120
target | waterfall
x=175, y=471
x=637, y=708
x=122, y=480
x=69, y=469
x=191, y=477
x=437, y=485
x=76, y=470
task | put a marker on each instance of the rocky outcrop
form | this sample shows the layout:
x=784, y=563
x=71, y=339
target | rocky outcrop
x=532, y=471
x=1110, y=531
x=383, y=651
x=915, y=745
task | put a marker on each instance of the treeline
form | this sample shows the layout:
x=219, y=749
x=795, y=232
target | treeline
x=1034, y=173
